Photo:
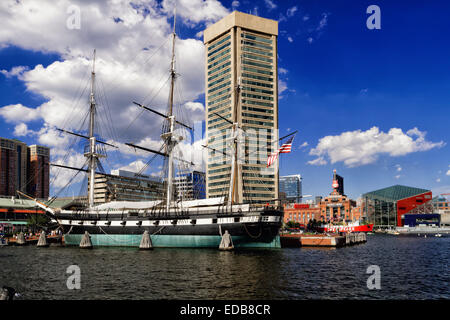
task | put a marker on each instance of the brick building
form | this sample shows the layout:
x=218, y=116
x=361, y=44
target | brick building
x=23, y=168
x=337, y=206
x=301, y=213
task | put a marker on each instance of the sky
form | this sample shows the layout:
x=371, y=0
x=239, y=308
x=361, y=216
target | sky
x=371, y=103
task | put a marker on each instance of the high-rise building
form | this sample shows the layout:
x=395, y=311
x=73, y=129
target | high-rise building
x=242, y=87
x=291, y=186
x=13, y=166
x=38, y=172
x=122, y=185
x=190, y=185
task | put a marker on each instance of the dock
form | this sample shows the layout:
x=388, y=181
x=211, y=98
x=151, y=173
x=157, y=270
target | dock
x=321, y=240
x=35, y=238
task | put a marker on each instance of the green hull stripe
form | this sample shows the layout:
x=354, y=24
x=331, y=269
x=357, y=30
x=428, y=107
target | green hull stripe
x=172, y=241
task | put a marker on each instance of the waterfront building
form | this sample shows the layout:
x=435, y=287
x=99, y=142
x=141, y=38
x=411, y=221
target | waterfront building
x=242, y=87
x=190, y=185
x=13, y=166
x=122, y=185
x=337, y=207
x=38, y=173
x=24, y=168
x=387, y=207
x=301, y=213
x=291, y=186
x=441, y=205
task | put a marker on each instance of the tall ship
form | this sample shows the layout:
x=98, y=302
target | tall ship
x=169, y=221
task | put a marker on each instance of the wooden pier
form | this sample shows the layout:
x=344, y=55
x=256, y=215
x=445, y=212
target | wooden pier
x=321, y=240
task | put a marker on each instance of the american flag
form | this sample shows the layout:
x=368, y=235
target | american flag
x=285, y=148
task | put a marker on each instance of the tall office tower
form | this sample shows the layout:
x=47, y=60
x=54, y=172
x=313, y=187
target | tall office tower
x=291, y=186
x=38, y=174
x=13, y=166
x=242, y=87
x=190, y=185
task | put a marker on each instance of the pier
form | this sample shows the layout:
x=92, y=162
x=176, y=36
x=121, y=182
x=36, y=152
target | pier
x=321, y=240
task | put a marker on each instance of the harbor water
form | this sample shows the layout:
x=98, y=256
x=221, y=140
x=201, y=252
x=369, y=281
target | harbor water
x=410, y=268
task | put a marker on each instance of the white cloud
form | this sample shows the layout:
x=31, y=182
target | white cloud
x=282, y=71
x=291, y=11
x=397, y=176
x=448, y=173
x=323, y=22
x=270, y=4
x=14, y=72
x=133, y=57
x=310, y=40
x=21, y=130
x=234, y=4
x=16, y=113
x=318, y=162
x=290, y=39
x=304, y=145
x=399, y=168
x=438, y=180
x=356, y=148
x=282, y=86
x=305, y=18
x=135, y=166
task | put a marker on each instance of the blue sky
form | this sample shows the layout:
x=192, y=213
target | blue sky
x=338, y=81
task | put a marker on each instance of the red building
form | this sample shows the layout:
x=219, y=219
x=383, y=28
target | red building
x=301, y=213
x=386, y=207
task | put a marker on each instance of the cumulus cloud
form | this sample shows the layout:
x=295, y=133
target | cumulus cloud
x=448, y=173
x=135, y=166
x=16, y=113
x=356, y=148
x=21, y=130
x=398, y=167
x=132, y=64
x=14, y=72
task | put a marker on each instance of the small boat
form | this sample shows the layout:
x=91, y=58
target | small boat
x=438, y=235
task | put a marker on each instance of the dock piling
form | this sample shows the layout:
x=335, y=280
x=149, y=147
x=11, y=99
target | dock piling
x=226, y=243
x=42, y=242
x=86, y=241
x=146, y=242
x=20, y=239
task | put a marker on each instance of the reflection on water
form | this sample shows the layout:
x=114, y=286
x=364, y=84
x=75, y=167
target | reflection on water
x=411, y=268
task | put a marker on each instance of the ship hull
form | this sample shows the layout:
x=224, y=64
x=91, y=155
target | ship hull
x=191, y=231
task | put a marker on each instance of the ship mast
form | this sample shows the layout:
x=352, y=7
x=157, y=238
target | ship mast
x=234, y=196
x=170, y=143
x=92, y=155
